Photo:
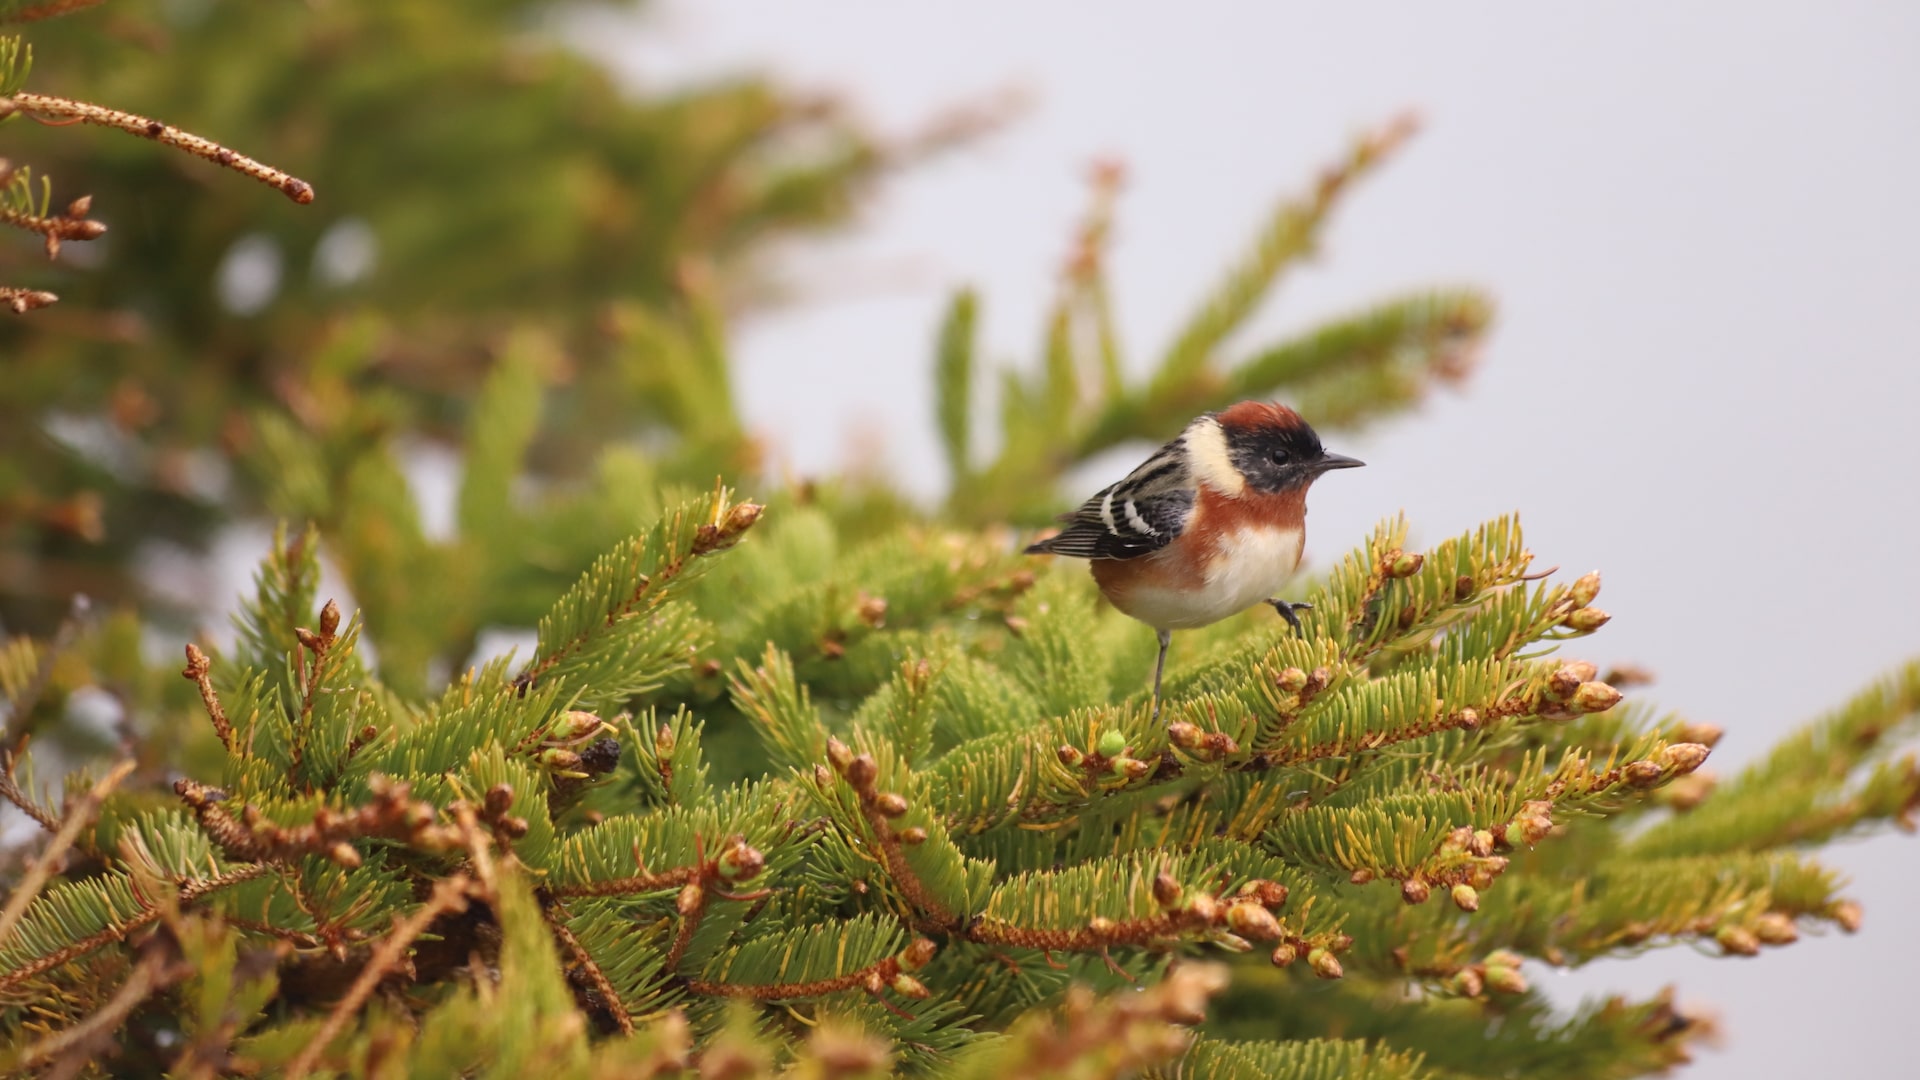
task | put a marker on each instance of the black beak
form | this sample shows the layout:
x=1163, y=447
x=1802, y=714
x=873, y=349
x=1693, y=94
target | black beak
x=1329, y=462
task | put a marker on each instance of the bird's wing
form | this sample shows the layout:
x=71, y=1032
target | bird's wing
x=1137, y=516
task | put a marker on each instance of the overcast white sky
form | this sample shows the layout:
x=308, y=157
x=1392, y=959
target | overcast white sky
x=1701, y=222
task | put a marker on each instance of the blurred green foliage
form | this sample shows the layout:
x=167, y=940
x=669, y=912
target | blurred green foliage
x=475, y=175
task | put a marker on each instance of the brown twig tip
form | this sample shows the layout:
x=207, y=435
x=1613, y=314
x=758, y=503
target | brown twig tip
x=20, y=301
x=47, y=108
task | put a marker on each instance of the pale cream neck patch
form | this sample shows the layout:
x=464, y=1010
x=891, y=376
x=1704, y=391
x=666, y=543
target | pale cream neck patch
x=1207, y=451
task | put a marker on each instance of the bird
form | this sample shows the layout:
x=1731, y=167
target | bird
x=1211, y=524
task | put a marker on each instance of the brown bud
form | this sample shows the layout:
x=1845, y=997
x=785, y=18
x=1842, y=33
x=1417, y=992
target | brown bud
x=1292, y=680
x=1361, y=876
x=1250, y=920
x=1102, y=927
x=1071, y=757
x=1481, y=843
x=1317, y=680
x=1468, y=718
x=1462, y=587
x=560, y=758
x=499, y=799
x=1587, y=620
x=832, y=650
x=741, y=861
x=1166, y=891
x=329, y=620
x=890, y=804
x=343, y=854
x=1466, y=897
x=691, y=897
x=907, y=986
x=664, y=743
x=1467, y=983
x=1405, y=564
x=1127, y=768
x=197, y=662
x=513, y=827
x=1017, y=626
x=1325, y=964
x=79, y=207
x=1285, y=954
x=1585, y=589
x=872, y=611
x=1270, y=894
x=1184, y=735
x=1737, y=940
x=1505, y=978
x=916, y=955
x=308, y=640
x=1595, y=697
x=1642, y=774
x=1774, y=928
x=1848, y=914
x=822, y=775
x=913, y=836
x=576, y=725
x=1415, y=891
x=839, y=754
x=1562, y=684
x=1683, y=758
x=862, y=772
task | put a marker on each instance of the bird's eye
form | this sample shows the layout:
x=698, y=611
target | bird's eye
x=1278, y=457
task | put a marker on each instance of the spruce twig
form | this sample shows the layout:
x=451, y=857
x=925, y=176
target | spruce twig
x=58, y=110
x=891, y=972
x=198, y=666
x=609, y=997
x=188, y=893
x=72, y=1048
x=79, y=815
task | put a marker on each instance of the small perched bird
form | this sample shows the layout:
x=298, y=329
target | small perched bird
x=1211, y=524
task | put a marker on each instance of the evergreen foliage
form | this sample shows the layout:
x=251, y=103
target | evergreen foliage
x=826, y=786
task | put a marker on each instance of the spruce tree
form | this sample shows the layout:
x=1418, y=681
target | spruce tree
x=818, y=783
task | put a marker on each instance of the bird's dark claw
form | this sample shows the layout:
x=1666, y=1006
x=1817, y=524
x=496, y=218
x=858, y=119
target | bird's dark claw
x=1288, y=611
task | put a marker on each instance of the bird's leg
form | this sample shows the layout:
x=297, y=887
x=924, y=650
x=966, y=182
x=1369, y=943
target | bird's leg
x=1289, y=612
x=1160, y=665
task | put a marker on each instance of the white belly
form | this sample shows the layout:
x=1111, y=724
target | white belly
x=1250, y=567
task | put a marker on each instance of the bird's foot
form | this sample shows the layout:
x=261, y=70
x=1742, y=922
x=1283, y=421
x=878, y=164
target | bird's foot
x=1290, y=612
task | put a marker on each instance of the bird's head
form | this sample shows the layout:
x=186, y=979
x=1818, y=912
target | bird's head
x=1274, y=449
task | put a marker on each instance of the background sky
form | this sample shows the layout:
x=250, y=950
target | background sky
x=1701, y=224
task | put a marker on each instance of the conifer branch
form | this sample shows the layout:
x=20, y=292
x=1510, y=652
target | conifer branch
x=10, y=790
x=392, y=815
x=609, y=997
x=1118, y=1035
x=878, y=808
x=449, y=897
x=58, y=110
x=76, y=1046
x=198, y=667
x=22, y=300
x=72, y=225
x=188, y=893
x=78, y=816
x=311, y=673
x=893, y=972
